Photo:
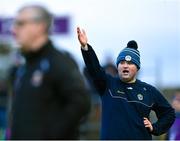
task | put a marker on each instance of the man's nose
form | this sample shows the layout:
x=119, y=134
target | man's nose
x=125, y=65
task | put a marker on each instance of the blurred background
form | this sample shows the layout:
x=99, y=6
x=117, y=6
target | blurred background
x=110, y=24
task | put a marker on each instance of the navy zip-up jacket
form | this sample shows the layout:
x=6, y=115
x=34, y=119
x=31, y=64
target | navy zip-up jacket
x=125, y=105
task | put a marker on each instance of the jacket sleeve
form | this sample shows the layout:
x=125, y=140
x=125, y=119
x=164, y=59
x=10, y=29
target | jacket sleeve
x=164, y=112
x=70, y=88
x=96, y=72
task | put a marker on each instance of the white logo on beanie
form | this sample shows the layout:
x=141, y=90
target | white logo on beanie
x=128, y=58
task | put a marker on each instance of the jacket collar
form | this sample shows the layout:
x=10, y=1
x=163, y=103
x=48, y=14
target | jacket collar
x=32, y=56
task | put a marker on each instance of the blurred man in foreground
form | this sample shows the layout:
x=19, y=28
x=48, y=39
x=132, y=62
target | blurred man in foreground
x=50, y=96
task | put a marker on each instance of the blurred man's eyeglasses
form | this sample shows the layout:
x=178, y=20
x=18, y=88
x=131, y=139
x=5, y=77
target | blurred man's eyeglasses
x=21, y=23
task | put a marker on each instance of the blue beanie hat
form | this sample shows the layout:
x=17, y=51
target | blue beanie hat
x=130, y=53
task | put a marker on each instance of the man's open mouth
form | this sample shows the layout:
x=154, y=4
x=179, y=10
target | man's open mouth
x=125, y=71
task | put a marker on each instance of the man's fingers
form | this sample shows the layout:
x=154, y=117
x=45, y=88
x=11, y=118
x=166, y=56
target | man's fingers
x=146, y=124
x=83, y=31
x=146, y=121
x=78, y=30
x=149, y=126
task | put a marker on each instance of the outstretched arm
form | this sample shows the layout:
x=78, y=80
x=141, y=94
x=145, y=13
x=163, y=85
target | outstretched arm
x=92, y=63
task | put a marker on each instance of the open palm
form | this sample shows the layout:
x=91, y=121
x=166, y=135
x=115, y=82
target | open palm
x=82, y=37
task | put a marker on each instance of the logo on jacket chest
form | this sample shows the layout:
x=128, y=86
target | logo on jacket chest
x=140, y=97
x=37, y=78
x=38, y=75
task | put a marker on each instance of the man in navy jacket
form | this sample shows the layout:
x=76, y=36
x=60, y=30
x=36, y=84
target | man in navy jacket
x=126, y=101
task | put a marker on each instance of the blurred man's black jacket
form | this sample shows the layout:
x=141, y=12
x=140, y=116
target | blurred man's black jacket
x=50, y=98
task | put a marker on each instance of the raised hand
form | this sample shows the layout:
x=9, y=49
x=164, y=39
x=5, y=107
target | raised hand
x=82, y=37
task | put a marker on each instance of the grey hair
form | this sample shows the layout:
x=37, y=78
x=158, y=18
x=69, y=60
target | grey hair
x=42, y=15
